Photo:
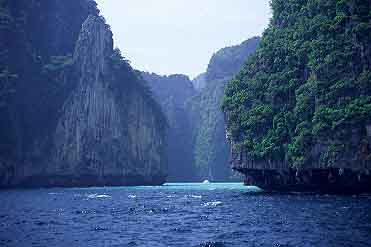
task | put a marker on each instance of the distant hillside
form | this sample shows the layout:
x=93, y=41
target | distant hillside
x=197, y=146
x=199, y=82
x=211, y=149
x=173, y=93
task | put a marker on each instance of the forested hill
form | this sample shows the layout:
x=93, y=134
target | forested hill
x=211, y=152
x=196, y=144
x=304, y=98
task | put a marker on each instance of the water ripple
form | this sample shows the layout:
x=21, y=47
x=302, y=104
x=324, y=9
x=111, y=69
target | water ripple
x=181, y=215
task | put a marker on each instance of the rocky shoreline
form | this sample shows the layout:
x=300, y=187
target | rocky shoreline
x=329, y=181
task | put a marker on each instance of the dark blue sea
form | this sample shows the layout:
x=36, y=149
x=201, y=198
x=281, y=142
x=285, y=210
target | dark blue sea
x=181, y=215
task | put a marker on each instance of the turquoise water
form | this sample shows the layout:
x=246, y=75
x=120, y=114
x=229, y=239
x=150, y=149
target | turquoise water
x=178, y=214
x=203, y=186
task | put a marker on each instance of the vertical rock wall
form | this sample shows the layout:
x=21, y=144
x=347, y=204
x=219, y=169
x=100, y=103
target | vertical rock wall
x=100, y=136
x=106, y=129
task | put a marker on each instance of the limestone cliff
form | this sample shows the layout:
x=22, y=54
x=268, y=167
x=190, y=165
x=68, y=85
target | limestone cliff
x=174, y=93
x=211, y=149
x=101, y=133
x=103, y=126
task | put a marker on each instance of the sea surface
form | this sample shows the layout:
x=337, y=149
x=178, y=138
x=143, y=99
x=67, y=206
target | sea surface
x=215, y=215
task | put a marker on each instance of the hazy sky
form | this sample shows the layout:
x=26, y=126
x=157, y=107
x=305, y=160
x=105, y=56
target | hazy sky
x=180, y=36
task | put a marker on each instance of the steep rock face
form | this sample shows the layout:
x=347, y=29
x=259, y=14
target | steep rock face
x=174, y=93
x=99, y=134
x=104, y=128
x=36, y=86
x=33, y=56
x=211, y=148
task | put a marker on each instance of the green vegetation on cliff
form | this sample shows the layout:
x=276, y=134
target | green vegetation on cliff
x=307, y=91
x=211, y=151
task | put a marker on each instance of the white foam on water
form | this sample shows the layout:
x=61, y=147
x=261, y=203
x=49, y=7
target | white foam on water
x=103, y=196
x=92, y=196
x=212, y=204
x=193, y=196
x=132, y=196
